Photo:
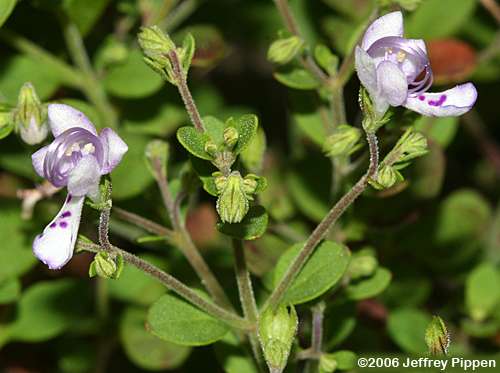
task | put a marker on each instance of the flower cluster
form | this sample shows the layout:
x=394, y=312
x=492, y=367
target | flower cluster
x=76, y=159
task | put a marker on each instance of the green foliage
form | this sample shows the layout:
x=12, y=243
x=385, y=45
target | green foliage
x=10, y=289
x=253, y=225
x=176, y=321
x=297, y=78
x=146, y=350
x=322, y=271
x=482, y=294
x=369, y=287
x=6, y=8
x=406, y=327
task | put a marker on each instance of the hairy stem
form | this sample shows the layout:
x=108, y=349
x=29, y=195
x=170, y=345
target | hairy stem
x=247, y=297
x=91, y=86
x=184, y=91
x=324, y=226
x=184, y=241
x=174, y=285
x=317, y=328
x=146, y=224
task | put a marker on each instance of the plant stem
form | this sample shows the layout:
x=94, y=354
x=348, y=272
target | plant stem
x=317, y=328
x=493, y=8
x=66, y=73
x=247, y=297
x=174, y=285
x=90, y=85
x=142, y=222
x=184, y=91
x=324, y=226
x=184, y=241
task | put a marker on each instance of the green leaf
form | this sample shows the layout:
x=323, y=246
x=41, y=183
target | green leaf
x=20, y=69
x=253, y=156
x=17, y=257
x=58, y=304
x=6, y=8
x=369, y=287
x=135, y=286
x=204, y=170
x=326, y=59
x=188, y=48
x=6, y=125
x=428, y=172
x=247, y=128
x=131, y=177
x=215, y=129
x=482, y=293
x=253, y=225
x=297, y=78
x=307, y=117
x=480, y=329
x=340, y=321
x=407, y=327
x=233, y=357
x=144, y=349
x=346, y=360
x=132, y=78
x=85, y=13
x=427, y=22
x=322, y=271
x=161, y=120
x=441, y=130
x=194, y=141
x=9, y=290
x=174, y=320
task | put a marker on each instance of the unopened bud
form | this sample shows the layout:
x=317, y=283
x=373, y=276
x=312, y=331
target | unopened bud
x=156, y=154
x=250, y=183
x=277, y=331
x=105, y=266
x=410, y=145
x=30, y=116
x=343, y=141
x=232, y=203
x=284, y=50
x=156, y=45
x=386, y=178
x=230, y=137
x=437, y=337
x=211, y=148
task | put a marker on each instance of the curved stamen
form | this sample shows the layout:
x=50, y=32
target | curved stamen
x=66, y=150
x=403, y=49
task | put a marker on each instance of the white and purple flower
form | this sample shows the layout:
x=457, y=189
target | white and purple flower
x=76, y=158
x=396, y=72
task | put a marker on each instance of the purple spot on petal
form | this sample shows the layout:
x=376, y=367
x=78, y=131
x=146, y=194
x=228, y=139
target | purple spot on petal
x=65, y=214
x=69, y=198
x=53, y=225
x=421, y=97
x=63, y=224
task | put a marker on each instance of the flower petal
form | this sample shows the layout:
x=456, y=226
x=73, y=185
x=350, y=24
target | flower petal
x=37, y=159
x=63, y=117
x=114, y=149
x=389, y=25
x=84, y=178
x=367, y=74
x=55, y=245
x=453, y=102
x=392, y=83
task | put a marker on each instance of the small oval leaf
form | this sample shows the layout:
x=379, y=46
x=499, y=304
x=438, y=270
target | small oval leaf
x=297, y=78
x=323, y=270
x=194, y=141
x=369, y=287
x=177, y=321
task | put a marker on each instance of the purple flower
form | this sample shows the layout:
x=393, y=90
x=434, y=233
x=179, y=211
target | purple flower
x=396, y=72
x=76, y=158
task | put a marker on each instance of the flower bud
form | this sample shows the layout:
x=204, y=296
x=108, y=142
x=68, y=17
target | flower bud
x=232, y=203
x=230, y=137
x=284, y=50
x=277, y=331
x=156, y=45
x=362, y=265
x=437, y=337
x=30, y=116
x=386, y=178
x=411, y=145
x=211, y=148
x=250, y=183
x=105, y=266
x=343, y=141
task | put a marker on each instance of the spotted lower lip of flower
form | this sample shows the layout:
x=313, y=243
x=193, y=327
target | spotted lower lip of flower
x=77, y=158
x=397, y=72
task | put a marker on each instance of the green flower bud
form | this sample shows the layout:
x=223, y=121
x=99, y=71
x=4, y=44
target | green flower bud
x=386, y=178
x=437, y=337
x=284, y=50
x=156, y=155
x=231, y=137
x=362, y=266
x=277, y=331
x=410, y=145
x=343, y=141
x=211, y=148
x=327, y=363
x=105, y=266
x=232, y=203
x=30, y=116
x=156, y=45
x=250, y=183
